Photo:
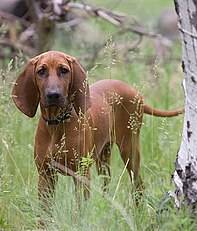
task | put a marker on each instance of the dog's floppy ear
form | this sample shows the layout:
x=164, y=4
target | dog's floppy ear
x=79, y=87
x=25, y=93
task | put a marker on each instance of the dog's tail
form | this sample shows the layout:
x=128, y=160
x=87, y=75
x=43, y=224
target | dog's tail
x=161, y=113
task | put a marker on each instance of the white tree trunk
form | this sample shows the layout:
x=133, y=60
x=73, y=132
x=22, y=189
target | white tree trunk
x=185, y=175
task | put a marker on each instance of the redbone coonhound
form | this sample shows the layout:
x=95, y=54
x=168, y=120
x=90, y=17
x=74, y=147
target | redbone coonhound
x=78, y=120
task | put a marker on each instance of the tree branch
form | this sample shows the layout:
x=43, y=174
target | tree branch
x=53, y=14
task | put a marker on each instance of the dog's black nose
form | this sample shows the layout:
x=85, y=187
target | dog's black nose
x=53, y=95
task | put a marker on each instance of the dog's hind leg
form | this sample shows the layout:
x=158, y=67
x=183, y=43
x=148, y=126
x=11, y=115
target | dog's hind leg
x=103, y=164
x=130, y=154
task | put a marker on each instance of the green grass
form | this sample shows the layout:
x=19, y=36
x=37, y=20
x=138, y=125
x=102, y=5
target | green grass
x=160, y=140
x=160, y=85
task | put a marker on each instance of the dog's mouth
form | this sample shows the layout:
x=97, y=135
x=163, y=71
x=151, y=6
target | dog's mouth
x=61, y=102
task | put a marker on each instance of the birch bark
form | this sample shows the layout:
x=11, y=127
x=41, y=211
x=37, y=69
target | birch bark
x=185, y=175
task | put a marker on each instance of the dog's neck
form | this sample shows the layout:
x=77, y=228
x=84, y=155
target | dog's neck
x=55, y=115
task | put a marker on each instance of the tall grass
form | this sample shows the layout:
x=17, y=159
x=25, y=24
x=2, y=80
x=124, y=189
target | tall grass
x=160, y=140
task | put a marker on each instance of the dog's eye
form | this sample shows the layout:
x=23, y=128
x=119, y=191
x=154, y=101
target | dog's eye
x=42, y=72
x=63, y=71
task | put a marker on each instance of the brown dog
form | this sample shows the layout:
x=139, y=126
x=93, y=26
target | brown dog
x=78, y=121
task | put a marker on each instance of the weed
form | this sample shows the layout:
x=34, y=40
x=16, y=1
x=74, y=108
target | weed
x=116, y=209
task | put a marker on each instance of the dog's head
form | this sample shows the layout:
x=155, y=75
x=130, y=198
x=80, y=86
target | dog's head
x=53, y=79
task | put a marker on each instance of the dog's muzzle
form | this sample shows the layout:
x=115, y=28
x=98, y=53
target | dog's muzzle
x=54, y=98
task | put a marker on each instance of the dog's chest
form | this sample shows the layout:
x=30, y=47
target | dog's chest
x=66, y=150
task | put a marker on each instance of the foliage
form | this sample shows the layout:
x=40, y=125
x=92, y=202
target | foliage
x=160, y=139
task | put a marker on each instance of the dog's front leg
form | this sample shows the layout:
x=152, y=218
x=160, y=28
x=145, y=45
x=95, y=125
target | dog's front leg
x=82, y=184
x=46, y=189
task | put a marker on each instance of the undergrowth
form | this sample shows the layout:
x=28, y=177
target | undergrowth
x=116, y=210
